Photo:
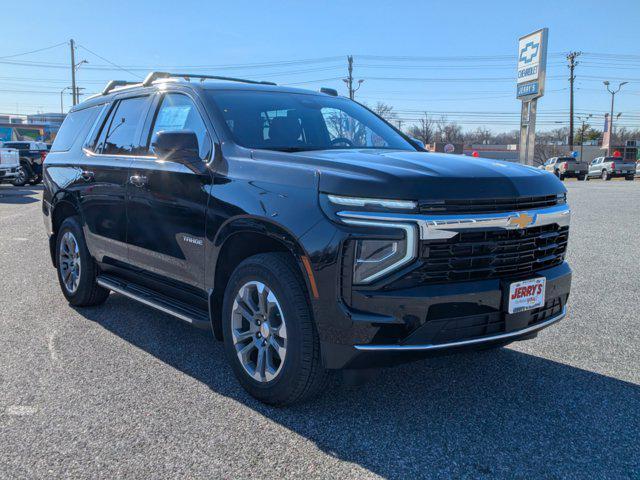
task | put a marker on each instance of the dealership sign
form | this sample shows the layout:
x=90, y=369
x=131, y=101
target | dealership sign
x=532, y=64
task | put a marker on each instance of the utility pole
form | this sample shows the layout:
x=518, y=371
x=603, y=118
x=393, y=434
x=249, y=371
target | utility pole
x=613, y=94
x=349, y=79
x=73, y=72
x=571, y=57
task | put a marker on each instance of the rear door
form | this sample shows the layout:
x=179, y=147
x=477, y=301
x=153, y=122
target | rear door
x=108, y=155
x=167, y=202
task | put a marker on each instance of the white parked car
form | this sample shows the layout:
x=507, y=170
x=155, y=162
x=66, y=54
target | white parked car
x=9, y=164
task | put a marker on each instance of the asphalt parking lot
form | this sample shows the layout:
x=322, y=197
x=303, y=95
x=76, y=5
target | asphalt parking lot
x=124, y=391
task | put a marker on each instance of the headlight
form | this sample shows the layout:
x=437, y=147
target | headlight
x=375, y=258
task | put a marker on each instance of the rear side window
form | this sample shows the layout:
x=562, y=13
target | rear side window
x=75, y=124
x=121, y=132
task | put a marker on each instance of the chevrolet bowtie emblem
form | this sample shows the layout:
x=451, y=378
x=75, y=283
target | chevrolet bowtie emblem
x=522, y=220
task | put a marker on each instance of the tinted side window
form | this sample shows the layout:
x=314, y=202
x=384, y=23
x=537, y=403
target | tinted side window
x=178, y=112
x=75, y=124
x=120, y=134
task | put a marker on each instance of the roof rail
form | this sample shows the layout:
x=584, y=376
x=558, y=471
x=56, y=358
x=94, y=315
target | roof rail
x=116, y=83
x=153, y=76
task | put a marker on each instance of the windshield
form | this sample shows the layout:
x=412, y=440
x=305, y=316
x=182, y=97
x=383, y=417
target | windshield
x=294, y=122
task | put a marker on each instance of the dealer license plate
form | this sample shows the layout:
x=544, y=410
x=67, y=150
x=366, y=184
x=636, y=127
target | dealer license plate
x=527, y=294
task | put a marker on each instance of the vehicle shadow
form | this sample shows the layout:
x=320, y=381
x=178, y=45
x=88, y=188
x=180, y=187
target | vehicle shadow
x=20, y=195
x=498, y=413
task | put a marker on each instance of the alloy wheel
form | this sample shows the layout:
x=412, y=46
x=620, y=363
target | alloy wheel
x=69, y=262
x=22, y=175
x=259, y=331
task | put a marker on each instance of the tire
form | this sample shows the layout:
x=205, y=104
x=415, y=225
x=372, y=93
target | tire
x=22, y=178
x=561, y=177
x=78, y=284
x=605, y=175
x=587, y=178
x=581, y=178
x=292, y=372
x=629, y=179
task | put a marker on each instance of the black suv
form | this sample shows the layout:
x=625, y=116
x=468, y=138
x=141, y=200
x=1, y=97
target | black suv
x=306, y=231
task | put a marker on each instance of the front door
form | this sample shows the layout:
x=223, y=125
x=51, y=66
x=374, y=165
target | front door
x=167, y=202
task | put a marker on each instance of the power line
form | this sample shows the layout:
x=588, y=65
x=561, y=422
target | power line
x=34, y=51
x=109, y=61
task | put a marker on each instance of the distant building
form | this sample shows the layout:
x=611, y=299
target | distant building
x=40, y=127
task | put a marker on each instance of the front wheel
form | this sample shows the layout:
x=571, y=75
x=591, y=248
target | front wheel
x=629, y=178
x=77, y=270
x=270, y=338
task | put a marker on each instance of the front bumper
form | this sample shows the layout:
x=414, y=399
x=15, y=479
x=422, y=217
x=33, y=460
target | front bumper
x=397, y=326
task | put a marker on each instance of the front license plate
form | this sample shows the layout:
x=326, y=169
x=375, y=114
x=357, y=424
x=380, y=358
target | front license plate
x=527, y=294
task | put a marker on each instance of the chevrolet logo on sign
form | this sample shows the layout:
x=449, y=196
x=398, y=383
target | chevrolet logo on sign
x=522, y=220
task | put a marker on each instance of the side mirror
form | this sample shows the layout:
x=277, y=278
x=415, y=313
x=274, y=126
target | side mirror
x=420, y=143
x=181, y=147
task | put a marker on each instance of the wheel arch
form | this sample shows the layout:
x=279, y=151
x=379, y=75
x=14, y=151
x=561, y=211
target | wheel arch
x=242, y=238
x=63, y=206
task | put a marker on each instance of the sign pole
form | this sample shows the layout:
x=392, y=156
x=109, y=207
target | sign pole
x=531, y=131
x=532, y=63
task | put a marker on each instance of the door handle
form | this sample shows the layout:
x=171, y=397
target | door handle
x=138, y=180
x=87, y=175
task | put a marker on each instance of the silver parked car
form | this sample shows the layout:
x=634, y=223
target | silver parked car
x=563, y=167
x=610, y=167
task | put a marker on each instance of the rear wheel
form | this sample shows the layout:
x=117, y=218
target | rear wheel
x=561, y=176
x=270, y=338
x=581, y=177
x=21, y=179
x=604, y=175
x=629, y=178
x=77, y=270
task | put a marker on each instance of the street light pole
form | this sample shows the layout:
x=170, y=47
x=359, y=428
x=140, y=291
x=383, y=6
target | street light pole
x=61, y=101
x=613, y=94
x=584, y=122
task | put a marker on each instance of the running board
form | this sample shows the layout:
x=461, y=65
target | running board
x=146, y=296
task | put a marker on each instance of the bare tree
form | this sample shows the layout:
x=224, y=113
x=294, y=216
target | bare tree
x=449, y=131
x=506, y=138
x=385, y=111
x=623, y=134
x=424, y=130
x=479, y=135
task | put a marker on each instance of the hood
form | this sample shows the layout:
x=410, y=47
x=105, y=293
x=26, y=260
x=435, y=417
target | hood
x=425, y=176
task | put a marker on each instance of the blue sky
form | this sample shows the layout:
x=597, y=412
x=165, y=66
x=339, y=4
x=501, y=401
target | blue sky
x=416, y=56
